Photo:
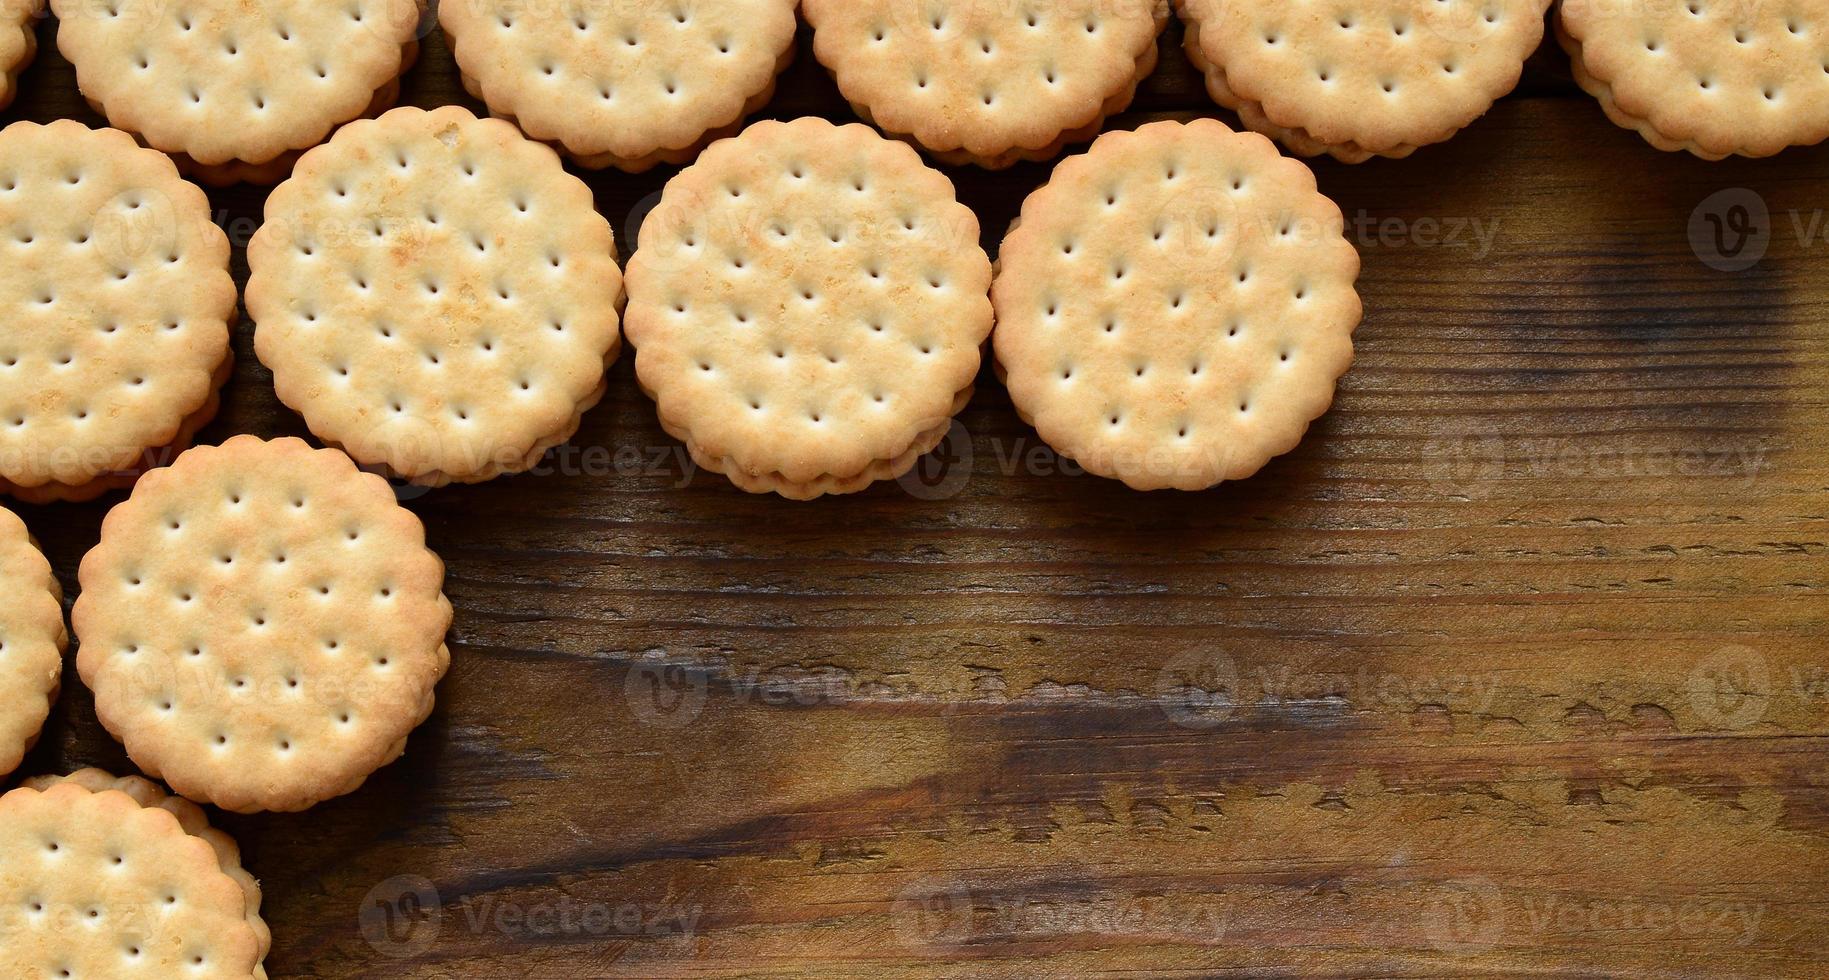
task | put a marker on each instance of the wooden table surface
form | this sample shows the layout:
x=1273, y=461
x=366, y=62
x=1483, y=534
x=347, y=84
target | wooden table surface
x=1516, y=666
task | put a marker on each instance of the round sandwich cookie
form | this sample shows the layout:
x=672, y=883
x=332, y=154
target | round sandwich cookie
x=621, y=84
x=32, y=641
x=18, y=43
x=1712, y=77
x=262, y=624
x=235, y=89
x=807, y=305
x=107, y=877
x=436, y=296
x=988, y=82
x=115, y=300
x=1357, y=79
x=1175, y=306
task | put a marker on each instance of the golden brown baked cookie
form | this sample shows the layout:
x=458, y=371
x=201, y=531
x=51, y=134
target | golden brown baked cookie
x=436, y=295
x=807, y=306
x=1175, y=306
x=32, y=640
x=234, y=90
x=1714, y=78
x=107, y=877
x=1357, y=79
x=261, y=624
x=18, y=43
x=115, y=299
x=621, y=84
x=989, y=82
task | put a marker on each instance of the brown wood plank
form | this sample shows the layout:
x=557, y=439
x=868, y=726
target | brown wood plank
x=1516, y=666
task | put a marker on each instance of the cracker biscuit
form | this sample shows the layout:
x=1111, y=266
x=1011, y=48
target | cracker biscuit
x=32, y=641
x=436, y=296
x=1714, y=78
x=989, y=82
x=18, y=43
x=1357, y=79
x=107, y=877
x=1175, y=306
x=235, y=89
x=807, y=306
x=622, y=84
x=116, y=294
x=261, y=624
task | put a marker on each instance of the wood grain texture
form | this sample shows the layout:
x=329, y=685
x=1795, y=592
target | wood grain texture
x=1516, y=666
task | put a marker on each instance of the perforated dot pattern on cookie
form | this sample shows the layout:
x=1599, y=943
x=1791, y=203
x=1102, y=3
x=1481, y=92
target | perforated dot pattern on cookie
x=18, y=43
x=102, y=877
x=612, y=82
x=1361, y=78
x=261, y=624
x=31, y=640
x=116, y=292
x=1175, y=306
x=807, y=305
x=988, y=81
x=435, y=294
x=223, y=82
x=1714, y=77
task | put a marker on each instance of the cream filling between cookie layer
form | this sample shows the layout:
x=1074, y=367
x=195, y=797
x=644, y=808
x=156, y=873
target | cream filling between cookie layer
x=503, y=462
x=1298, y=140
x=1602, y=91
x=148, y=458
x=923, y=443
